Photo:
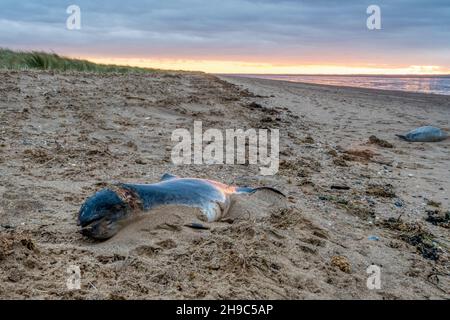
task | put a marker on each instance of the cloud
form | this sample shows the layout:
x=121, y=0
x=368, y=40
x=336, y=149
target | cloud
x=413, y=31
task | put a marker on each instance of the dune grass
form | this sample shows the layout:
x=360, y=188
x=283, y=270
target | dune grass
x=21, y=60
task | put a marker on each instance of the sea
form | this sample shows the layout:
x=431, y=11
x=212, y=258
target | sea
x=424, y=84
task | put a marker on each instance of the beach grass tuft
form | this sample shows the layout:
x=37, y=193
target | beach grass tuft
x=22, y=60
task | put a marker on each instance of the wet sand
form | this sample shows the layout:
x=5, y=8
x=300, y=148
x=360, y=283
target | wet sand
x=352, y=201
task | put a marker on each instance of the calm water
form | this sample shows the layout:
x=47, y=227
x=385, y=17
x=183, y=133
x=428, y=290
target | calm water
x=425, y=84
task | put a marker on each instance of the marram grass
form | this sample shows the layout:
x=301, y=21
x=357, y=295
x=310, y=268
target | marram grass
x=20, y=60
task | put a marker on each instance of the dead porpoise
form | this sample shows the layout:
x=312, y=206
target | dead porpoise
x=102, y=214
x=424, y=134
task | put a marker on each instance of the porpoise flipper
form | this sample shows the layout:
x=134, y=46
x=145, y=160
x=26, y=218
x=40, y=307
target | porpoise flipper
x=252, y=190
x=401, y=136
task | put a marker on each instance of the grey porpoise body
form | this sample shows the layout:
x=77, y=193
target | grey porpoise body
x=424, y=134
x=101, y=215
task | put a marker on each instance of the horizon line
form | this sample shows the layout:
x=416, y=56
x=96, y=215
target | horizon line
x=339, y=74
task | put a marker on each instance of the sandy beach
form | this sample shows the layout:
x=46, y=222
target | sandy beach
x=356, y=194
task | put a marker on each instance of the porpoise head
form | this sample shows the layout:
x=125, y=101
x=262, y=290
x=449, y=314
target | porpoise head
x=101, y=215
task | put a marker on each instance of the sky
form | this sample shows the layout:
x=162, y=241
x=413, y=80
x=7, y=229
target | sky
x=239, y=36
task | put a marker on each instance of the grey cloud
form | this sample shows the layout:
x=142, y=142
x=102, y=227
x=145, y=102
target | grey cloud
x=204, y=28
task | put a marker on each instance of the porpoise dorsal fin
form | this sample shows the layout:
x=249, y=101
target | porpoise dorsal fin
x=167, y=176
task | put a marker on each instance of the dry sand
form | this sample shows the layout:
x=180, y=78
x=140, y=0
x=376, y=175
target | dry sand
x=65, y=135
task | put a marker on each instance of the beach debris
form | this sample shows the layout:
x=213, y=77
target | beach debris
x=340, y=162
x=438, y=218
x=339, y=187
x=140, y=161
x=28, y=243
x=424, y=134
x=425, y=246
x=332, y=152
x=39, y=156
x=433, y=203
x=356, y=208
x=380, y=142
x=5, y=247
x=285, y=218
x=341, y=263
x=196, y=225
x=308, y=139
x=359, y=154
x=132, y=145
x=268, y=119
x=334, y=199
x=385, y=191
x=11, y=241
x=360, y=210
x=373, y=238
x=300, y=167
x=307, y=186
x=255, y=105
x=398, y=203
x=415, y=235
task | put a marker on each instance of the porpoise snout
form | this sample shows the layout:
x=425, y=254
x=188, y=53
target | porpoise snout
x=100, y=215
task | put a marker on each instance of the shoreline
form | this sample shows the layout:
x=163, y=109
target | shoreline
x=338, y=75
x=361, y=89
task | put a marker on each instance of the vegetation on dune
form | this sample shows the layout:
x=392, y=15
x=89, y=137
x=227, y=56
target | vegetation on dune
x=20, y=60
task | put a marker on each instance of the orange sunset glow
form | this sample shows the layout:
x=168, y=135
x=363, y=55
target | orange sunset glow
x=221, y=66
